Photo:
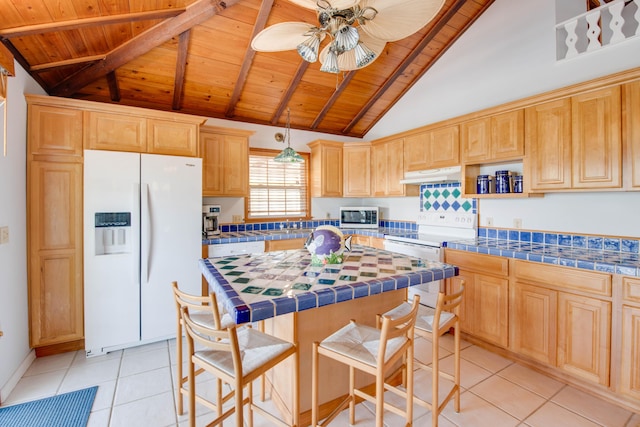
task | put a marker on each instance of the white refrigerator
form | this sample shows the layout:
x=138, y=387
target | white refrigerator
x=142, y=230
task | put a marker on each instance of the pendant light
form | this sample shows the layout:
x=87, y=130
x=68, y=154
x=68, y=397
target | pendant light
x=288, y=155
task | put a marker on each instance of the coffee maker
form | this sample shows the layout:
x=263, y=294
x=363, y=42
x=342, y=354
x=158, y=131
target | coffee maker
x=210, y=223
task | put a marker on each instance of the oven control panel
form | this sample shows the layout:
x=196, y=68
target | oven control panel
x=448, y=219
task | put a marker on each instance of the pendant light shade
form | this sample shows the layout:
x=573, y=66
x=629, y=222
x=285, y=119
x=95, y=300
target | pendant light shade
x=288, y=155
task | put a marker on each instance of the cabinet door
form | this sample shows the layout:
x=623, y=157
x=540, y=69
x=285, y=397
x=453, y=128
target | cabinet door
x=632, y=132
x=630, y=369
x=491, y=309
x=596, y=143
x=118, y=132
x=548, y=136
x=507, y=135
x=395, y=168
x=55, y=252
x=357, y=170
x=332, y=171
x=584, y=337
x=379, y=169
x=172, y=138
x=235, y=158
x=55, y=131
x=534, y=322
x=444, y=147
x=475, y=140
x=416, y=152
x=212, y=163
x=465, y=310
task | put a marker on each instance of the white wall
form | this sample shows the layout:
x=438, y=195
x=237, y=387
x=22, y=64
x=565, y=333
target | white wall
x=509, y=54
x=14, y=345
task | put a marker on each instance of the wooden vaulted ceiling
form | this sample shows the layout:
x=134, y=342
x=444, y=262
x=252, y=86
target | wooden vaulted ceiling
x=194, y=57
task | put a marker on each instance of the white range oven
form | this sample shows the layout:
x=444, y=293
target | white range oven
x=434, y=228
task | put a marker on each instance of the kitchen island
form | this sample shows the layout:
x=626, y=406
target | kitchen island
x=303, y=303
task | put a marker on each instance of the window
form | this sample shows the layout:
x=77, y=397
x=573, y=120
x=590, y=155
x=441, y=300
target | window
x=277, y=190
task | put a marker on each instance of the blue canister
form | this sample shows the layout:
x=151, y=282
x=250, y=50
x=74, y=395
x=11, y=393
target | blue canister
x=517, y=184
x=482, y=186
x=503, y=182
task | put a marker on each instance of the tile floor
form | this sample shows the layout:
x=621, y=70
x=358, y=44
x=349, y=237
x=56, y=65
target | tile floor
x=136, y=388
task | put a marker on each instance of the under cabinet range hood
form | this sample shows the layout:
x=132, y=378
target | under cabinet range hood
x=450, y=174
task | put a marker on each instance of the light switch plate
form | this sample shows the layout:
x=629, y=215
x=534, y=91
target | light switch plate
x=236, y=219
x=4, y=235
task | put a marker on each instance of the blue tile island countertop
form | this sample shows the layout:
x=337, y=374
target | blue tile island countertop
x=257, y=287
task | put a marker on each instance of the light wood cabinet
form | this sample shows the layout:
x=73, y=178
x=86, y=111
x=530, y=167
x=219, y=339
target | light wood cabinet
x=575, y=142
x=225, y=161
x=356, y=158
x=485, y=311
x=172, y=138
x=493, y=138
x=533, y=320
x=632, y=135
x=434, y=148
x=388, y=169
x=584, y=337
x=118, y=132
x=567, y=309
x=596, y=139
x=284, y=245
x=630, y=361
x=54, y=130
x=326, y=168
x=55, y=252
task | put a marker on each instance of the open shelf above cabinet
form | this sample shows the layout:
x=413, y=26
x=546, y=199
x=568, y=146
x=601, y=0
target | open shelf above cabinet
x=470, y=174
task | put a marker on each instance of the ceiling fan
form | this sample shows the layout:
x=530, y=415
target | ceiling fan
x=381, y=21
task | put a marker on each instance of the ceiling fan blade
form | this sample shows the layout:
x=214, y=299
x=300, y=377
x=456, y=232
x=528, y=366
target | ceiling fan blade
x=399, y=19
x=347, y=60
x=282, y=36
x=338, y=4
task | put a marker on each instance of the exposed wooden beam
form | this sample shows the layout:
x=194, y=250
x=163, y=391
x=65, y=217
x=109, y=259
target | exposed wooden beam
x=6, y=60
x=22, y=61
x=29, y=30
x=114, y=89
x=261, y=22
x=290, y=90
x=405, y=63
x=334, y=97
x=67, y=62
x=196, y=13
x=181, y=67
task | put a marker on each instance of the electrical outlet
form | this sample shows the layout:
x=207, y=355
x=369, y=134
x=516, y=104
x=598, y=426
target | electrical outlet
x=4, y=235
x=517, y=222
x=236, y=218
x=489, y=221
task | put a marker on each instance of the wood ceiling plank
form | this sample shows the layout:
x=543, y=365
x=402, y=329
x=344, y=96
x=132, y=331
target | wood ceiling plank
x=65, y=63
x=195, y=13
x=302, y=67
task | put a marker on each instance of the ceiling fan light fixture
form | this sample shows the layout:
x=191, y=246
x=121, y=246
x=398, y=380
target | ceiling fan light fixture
x=308, y=49
x=364, y=55
x=346, y=38
x=330, y=64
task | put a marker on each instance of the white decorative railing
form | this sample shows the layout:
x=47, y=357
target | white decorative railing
x=610, y=23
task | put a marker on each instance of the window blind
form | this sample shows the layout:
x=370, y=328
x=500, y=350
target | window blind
x=276, y=189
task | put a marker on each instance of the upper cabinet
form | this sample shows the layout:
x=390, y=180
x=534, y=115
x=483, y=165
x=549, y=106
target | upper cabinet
x=326, y=168
x=388, y=159
x=172, y=137
x=55, y=130
x=225, y=161
x=433, y=148
x=356, y=158
x=632, y=134
x=575, y=143
x=118, y=132
x=493, y=138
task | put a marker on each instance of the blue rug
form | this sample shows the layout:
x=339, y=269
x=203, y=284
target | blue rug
x=64, y=410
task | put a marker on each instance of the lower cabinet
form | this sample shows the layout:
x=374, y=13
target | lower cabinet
x=561, y=316
x=284, y=245
x=485, y=309
x=628, y=349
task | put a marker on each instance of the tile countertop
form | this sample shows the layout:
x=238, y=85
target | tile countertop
x=259, y=235
x=614, y=262
x=257, y=287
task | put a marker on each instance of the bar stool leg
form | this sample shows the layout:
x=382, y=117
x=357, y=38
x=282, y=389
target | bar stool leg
x=435, y=374
x=456, y=366
x=314, y=386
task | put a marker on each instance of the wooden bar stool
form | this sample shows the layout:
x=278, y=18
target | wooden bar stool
x=376, y=352
x=205, y=311
x=445, y=316
x=237, y=357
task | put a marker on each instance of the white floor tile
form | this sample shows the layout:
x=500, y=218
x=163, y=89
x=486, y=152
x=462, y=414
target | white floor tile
x=531, y=380
x=50, y=363
x=86, y=375
x=145, y=384
x=484, y=358
x=554, y=415
x=511, y=398
x=137, y=362
x=81, y=359
x=157, y=411
x=591, y=407
x=99, y=418
x=35, y=387
x=476, y=412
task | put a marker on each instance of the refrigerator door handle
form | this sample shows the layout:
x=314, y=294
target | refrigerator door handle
x=146, y=233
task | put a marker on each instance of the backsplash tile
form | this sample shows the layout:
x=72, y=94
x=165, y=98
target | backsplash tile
x=445, y=196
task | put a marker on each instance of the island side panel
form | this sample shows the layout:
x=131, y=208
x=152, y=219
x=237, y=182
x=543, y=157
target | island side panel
x=305, y=327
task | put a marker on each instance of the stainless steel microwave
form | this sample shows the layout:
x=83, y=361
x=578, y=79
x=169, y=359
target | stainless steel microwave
x=359, y=217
